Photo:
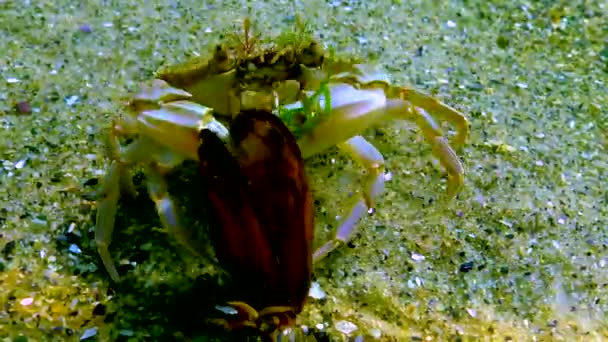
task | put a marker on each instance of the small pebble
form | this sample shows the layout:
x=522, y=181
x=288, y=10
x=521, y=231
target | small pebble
x=226, y=310
x=376, y=333
x=39, y=223
x=466, y=267
x=417, y=257
x=362, y=40
x=388, y=176
x=316, y=292
x=71, y=100
x=126, y=332
x=345, y=327
x=71, y=228
x=85, y=28
x=23, y=107
x=74, y=249
x=26, y=301
x=88, y=333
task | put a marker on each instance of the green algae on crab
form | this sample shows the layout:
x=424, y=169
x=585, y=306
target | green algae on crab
x=520, y=254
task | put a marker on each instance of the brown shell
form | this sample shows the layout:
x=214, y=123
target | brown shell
x=262, y=210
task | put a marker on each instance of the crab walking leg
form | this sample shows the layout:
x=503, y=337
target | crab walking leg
x=106, y=215
x=439, y=143
x=439, y=109
x=127, y=188
x=371, y=79
x=448, y=158
x=167, y=135
x=422, y=103
x=354, y=110
x=117, y=181
x=168, y=210
x=369, y=157
x=173, y=136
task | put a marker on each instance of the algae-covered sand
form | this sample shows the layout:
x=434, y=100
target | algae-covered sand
x=520, y=254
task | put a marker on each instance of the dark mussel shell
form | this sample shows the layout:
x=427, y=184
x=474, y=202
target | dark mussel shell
x=262, y=212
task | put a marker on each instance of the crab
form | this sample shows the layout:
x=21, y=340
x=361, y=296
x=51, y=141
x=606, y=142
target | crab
x=324, y=100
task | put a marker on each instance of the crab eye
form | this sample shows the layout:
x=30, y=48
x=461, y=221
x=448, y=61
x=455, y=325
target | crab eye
x=312, y=55
x=220, y=54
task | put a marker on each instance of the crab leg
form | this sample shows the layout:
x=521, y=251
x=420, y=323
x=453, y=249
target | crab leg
x=106, y=214
x=412, y=105
x=165, y=206
x=371, y=159
x=370, y=78
x=441, y=149
x=440, y=109
x=168, y=210
x=167, y=135
x=352, y=111
x=117, y=181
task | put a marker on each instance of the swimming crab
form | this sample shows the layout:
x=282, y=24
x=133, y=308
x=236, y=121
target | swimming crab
x=324, y=100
